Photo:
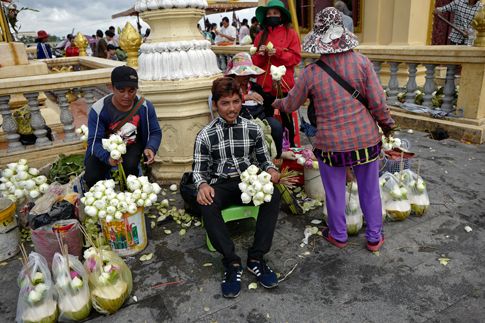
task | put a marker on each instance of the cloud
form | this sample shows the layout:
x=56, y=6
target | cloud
x=59, y=17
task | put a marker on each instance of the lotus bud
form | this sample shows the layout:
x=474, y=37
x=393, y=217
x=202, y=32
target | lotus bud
x=109, y=218
x=102, y=214
x=152, y=197
x=156, y=188
x=147, y=188
x=34, y=297
x=114, y=202
x=3, y=187
x=143, y=179
x=12, y=166
x=40, y=179
x=89, y=200
x=105, y=143
x=243, y=186
x=33, y=171
x=3, y=179
x=91, y=210
x=267, y=198
x=34, y=194
x=259, y=196
x=245, y=198
x=253, y=179
x=111, y=210
x=144, y=196
x=118, y=215
x=140, y=202
x=269, y=46
x=257, y=202
x=173, y=187
x=253, y=50
x=7, y=173
x=78, y=131
x=76, y=283
x=245, y=177
x=253, y=170
x=148, y=203
x=164, y=203
x=301, y=160
x=99, y=204
x=250, y=190
x=121, y=197
x=98, y=194
x=268, y=188
x=22, y=168
x=122, y=149
x=29, y=184
x=22, y=175
x=19, y=194
x=122, y=206
x=115, y=155
x=132, y=208
x=264, y=178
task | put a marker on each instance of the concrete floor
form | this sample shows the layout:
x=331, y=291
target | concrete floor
x=405, y=282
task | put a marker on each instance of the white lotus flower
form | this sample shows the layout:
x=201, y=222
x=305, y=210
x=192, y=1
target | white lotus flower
x=91, y=210
x=143, y=179
x=122, y=206
x=22, y=175
x=252, y=170
x=259, y=196
x=132, y=208
x=253, y=179
x=277, y=72
x=264, y=178
x=29, y=184
x=34, y=296
x=268, y=188
x=7, y=173
x=121, y=197
x=257, y=202
x=76, y=283
x=98, y=194
x=22, y=168
x=3, y=187
x=122, y=149
x=152, y=197
x=250, y=190
x=33, y=171
x=111, y=210
x=89, y=200
x=3, y=179
x=118, y=215
x=19, y=194
x=140, y=202
x=40, y=179
x=257, y=186
x=243, y=186
x=102, y=214
x=105, y=143
x=110, y=183
x=99, y=204
x=253, y=50
x=22, y=162
x=144, y=196
x=148, y=203
x=173, y=187
x=115, y=155
x=109, y=218
x=78, y=131
x=245, y=177
x=156, y=188
x=43, y=188
x=12, y=166
x=269, y=45
x=147, y=188
x=267, y=197
x=245, y=198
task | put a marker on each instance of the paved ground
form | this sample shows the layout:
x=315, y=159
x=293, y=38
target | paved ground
x=404, y=283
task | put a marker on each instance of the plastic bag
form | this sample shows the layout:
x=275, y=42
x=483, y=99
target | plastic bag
x=417, y=193
x=110, y=280
x=71, y=283
x=62, y=210
x=46, y=242
x=395, y=197
x=37, y=297
x=45, y=202
x=354, y=216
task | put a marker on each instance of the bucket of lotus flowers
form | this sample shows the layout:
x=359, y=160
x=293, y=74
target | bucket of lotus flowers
x=121, y=214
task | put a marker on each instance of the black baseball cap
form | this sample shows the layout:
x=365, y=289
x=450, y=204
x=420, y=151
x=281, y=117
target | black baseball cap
x=123, y=77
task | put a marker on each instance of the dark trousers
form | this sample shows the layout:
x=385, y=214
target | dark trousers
x=227, y=194
x=97, y=170
x=286, y=118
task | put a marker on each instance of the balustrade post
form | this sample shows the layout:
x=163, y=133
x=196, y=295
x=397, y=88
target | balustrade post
x=449, y=89
x=429, y=85
x=377, y=68
x=393, y=83
x=9, y=125
x=37, y=120
x=89, y=96
x=411, y=86
x=66, y=117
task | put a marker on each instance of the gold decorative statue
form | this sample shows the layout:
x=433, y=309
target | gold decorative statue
x=82, y=43
x=130, y=42
x=5, y=34
x=479, y=24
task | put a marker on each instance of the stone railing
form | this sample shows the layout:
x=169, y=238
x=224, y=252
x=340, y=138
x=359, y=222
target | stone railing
x=402, y=68
x=85, y=74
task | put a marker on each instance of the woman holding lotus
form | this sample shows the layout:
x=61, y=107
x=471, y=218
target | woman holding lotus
x=277, y=44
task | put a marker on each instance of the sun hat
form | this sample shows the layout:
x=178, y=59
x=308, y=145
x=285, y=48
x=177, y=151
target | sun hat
x=41, y=34
x=261, y=11
x=329, y=35
x=242, y=65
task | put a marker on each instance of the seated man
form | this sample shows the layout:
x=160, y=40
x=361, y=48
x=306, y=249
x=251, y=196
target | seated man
x=223, y=149
x=128, y=115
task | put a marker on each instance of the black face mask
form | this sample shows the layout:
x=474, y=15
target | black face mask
x=273, y=21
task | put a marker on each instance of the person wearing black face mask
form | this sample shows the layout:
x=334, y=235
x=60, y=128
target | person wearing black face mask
x=277, y=44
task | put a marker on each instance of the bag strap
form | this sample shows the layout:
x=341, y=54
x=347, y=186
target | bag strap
x=129, y=116
x=343, y=83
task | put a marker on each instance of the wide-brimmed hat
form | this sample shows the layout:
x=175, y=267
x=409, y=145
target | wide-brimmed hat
x=261, y=11
x=329, y=35
x=41, y=34
x=242, y=65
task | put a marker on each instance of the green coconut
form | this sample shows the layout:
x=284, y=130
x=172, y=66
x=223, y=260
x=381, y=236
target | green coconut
x=75, y=308
x=109, y=298
x=44, y=313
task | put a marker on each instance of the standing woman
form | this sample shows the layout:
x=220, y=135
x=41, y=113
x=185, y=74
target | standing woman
x=274, y=19
x=347, y=133
x=43, y=48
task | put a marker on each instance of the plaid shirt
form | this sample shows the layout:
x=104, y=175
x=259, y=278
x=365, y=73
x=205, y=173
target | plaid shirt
x=222, y=149
x=464, y=14
x=343, y=123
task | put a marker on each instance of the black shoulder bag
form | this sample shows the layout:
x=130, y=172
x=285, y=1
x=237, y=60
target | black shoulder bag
x=343, y=83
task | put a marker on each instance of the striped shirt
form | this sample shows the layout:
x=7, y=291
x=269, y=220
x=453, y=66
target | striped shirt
x=223, y=150
x=464, y=14
x=343, y=123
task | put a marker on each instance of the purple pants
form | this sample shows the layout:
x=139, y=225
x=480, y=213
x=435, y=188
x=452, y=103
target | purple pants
x=334, y=179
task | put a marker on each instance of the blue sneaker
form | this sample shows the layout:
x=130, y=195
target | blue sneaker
x=265, y=276
x=231, y=283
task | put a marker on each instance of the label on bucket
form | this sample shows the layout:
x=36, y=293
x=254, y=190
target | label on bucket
x=128, y=235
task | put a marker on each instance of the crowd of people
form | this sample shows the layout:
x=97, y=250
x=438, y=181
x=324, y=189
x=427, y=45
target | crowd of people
x=102, y=45
x=347, y=131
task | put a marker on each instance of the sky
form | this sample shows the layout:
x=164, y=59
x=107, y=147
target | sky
x=59, y=17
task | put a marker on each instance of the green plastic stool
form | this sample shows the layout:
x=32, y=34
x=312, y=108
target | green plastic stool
x=234, y=213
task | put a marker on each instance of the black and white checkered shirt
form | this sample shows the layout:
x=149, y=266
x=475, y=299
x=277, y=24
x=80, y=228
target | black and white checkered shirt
x=223, y=150
x=464, y=14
